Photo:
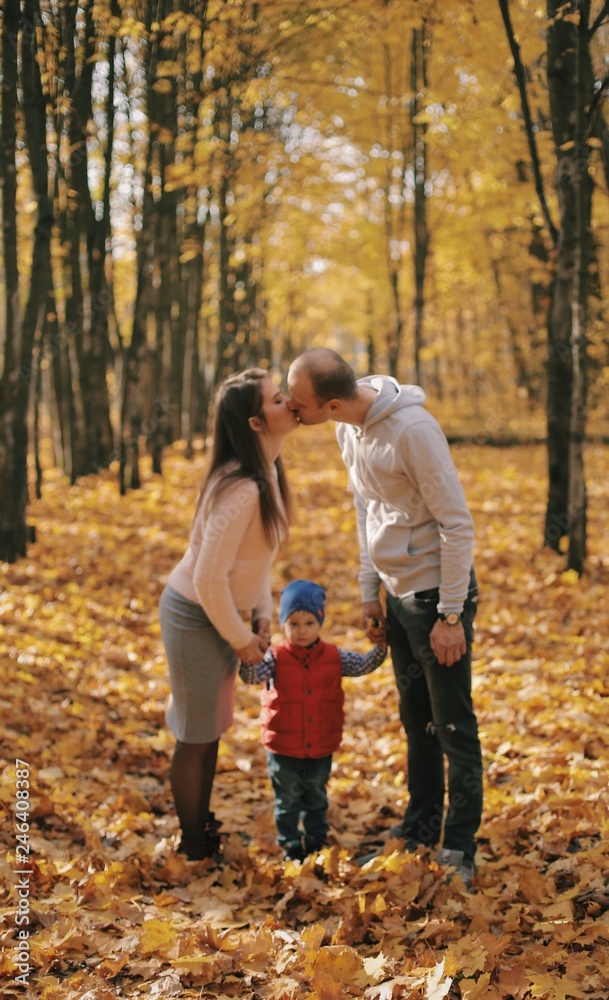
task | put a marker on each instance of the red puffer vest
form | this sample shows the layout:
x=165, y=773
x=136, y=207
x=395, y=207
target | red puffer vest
x=302, y=714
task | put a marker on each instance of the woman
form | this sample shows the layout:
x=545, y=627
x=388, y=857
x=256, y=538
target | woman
x=243, y=512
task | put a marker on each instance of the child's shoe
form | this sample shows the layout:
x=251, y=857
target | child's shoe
x=313, y=846
x=294, y=851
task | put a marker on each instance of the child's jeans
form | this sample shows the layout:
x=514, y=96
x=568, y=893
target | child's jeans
x=299, y=786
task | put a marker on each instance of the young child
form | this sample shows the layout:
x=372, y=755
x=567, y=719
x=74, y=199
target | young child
x=302, y=714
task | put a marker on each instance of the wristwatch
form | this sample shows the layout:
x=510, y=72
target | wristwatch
x=452, y=618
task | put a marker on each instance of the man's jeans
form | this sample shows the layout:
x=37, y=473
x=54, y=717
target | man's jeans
x=299, y=785
x=438, y=717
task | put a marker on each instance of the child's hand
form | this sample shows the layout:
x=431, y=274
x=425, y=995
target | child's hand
x=254, y=651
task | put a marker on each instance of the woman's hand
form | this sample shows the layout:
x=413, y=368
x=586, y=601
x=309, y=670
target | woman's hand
x=254, y=651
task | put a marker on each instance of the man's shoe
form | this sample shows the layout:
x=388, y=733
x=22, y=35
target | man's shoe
x=456, y=860
x=397, y=833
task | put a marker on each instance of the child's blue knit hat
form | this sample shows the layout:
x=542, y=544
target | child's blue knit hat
x=302, y=595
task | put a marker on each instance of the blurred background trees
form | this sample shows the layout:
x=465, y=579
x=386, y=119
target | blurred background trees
x=189, y=189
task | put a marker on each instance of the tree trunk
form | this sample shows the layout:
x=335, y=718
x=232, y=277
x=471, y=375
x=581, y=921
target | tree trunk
x=34, y=114
x=55, y=344
x=162, y=306
x=136, y=353
x=55, y=333
x=164, y=407
x=36, y=402
x=15, y=361
x=86, y=305
x=394, y=337
x=266, y=345
x=72, y=227
x=582, y=183
x=395, y=131
x=371, y=325
x=173, y=400
x=541, y=293
x=193, y=281
x=101, y=439
x=421, y=234
x=523, y=377
x=567, y=93
x=226, y=334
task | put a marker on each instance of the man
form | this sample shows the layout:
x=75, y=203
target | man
x=416, y=538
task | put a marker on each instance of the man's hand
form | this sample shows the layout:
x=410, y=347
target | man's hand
x=376, y=634
x=447, y=643
x=262, y=627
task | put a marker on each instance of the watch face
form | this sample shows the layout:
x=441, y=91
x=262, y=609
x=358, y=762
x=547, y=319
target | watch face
x=453, y=618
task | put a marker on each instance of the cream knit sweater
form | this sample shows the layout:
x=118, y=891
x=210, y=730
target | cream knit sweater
x=227, y=565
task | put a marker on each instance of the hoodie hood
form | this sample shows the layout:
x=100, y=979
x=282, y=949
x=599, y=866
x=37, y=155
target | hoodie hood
x=391, y=396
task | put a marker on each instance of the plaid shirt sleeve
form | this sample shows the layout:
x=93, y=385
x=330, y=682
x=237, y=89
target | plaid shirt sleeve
x=259, y=673
x=357, y=664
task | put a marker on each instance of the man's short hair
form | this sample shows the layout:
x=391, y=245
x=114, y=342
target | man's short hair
x=331, y=377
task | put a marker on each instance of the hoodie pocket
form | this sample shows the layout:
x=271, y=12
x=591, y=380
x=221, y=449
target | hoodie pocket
x=389, y=544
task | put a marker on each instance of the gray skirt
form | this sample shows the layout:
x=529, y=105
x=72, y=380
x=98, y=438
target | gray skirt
x=202, y=671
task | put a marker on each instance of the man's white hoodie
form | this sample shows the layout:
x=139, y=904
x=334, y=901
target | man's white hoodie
x=415, y=530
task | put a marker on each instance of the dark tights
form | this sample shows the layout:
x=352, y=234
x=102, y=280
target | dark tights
x=192, y=775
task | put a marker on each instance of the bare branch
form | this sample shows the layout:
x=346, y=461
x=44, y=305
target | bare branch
x=596, y=100
x=600, y=17
x=519, y=73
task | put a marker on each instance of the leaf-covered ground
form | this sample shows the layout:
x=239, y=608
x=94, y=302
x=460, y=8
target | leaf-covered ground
x=114, y=912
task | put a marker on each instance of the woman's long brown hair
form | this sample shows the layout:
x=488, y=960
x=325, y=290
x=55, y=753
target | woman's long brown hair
x=237, y=399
